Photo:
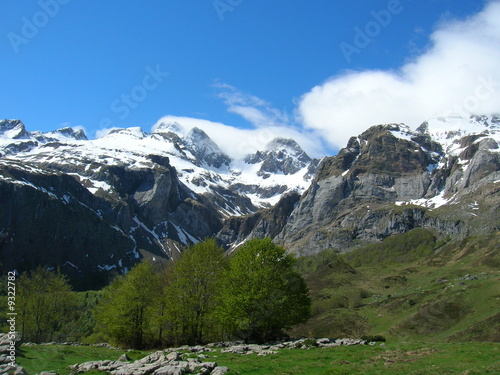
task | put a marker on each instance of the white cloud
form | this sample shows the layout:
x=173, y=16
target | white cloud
x=238, y=142
x=458, y=74
x=267, y=123
x=100, y=133
x=256, y=111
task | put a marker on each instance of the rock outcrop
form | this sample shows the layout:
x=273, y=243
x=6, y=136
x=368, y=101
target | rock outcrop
x=390, y=180
x=180, y=360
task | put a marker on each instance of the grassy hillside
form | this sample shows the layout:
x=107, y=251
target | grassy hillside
x=410, y=287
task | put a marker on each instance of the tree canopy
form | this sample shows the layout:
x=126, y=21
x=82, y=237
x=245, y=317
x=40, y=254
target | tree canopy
x=45, y=304
x=129, y=305
x=262, y=293
x=205, y=295
x=192, y=292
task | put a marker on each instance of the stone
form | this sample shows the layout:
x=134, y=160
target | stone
x=174, y=356
x=16, y=370
x=124, y=358
x=155, y=357
x=208, y=365
x=197, y=349
x=220, y=370
x=323, y=341
x=169, y=370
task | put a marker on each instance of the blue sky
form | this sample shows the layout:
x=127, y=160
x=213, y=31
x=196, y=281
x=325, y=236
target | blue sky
x=122, y=63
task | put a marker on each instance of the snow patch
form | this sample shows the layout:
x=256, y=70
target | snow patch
x=70, y=264
x=432, y=203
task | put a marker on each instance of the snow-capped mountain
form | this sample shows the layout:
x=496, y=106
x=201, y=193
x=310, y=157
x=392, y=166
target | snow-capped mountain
x=445, y=175
x=97, y=206
x=157, y=192
x=281, y=167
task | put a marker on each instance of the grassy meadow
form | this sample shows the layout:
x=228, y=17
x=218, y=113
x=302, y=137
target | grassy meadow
x=435, y=303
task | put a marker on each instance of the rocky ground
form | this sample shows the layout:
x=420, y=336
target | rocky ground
x=189, y=359
x=196, y=359
x=9, y=350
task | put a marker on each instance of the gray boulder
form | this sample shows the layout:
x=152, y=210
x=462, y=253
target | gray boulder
x=169, y=370
x=220, y=370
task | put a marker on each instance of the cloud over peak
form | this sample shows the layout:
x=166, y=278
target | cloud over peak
x=458, y=74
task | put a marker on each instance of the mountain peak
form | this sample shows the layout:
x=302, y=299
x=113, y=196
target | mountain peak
x=285, y=143
x=133, y=131
x=282, y=155
x=205, y=149
x=168, y=127
x=13, y=129
x=72, y=133
x=196, y=134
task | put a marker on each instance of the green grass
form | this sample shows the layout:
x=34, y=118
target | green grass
x=477, y=358
x=408, y=294
x=58, y=357
x=393, y=358
x=434, y=321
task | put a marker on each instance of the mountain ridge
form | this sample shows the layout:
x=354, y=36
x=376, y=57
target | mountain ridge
x=391, y=179
x=158, y=192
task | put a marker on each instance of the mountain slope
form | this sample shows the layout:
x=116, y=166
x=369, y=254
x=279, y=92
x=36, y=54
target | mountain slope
x=151, y=194
x=129, y=192
x=389, y=180
x=409, y=286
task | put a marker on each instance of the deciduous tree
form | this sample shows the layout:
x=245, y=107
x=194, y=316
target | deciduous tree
x=262, y=294
x=192, y=293
x=45, y=304
x=128, y=307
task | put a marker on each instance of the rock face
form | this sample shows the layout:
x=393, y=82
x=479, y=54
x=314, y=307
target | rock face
x=50, y=218
x=92, y=207
x=280, y=156
x=264, y=223
x=96, y=207
x=390, y=180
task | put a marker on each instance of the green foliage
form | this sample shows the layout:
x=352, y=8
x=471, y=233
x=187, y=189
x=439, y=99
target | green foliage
x=204, y=296
x=128, y=307
x=45, y=304
x=262, y=293
x=401, y=248
x=193, y=288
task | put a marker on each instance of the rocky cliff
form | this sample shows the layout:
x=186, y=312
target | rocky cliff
x=390, y=180
x=96, y=207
